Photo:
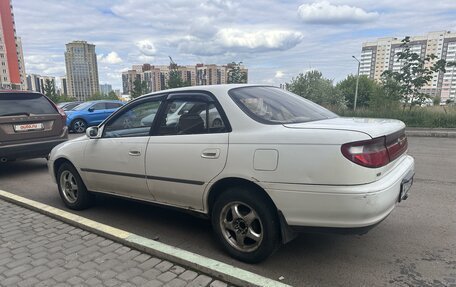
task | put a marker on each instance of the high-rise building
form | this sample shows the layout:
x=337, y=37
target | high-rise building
x=156, y=77
x=12, y=69
x=105, y=89
x=38, y=83
x=63, y=86
x=380, y=55
x=81, y=70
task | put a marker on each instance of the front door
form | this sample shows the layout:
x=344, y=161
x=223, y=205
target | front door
x=115, y=162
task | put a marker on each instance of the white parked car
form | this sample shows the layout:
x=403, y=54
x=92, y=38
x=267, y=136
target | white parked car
x=276, y=164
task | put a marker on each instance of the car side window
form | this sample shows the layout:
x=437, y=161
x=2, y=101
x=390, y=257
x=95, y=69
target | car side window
x=133, y=122
x=113, y=105
x=99, y=106
x=183, y=117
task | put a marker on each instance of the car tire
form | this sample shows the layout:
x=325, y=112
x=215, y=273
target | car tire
x=217, y=123
x=246, y=224
x=72, y=189
x=79, y=126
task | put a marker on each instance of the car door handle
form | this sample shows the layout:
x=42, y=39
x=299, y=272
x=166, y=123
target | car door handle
x=211, y=153
x=134, y=153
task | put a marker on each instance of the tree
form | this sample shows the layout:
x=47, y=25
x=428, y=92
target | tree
x=387, y=95
x=313, y=86
x=235, y=74
x=414, y=74
x=436, y=101
x=139, y=88
x=112, y=95
x=366, y=90
x=99, y=96
x=175, y=77
x=49, y=90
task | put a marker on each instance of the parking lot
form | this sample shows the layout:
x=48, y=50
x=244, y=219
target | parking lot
x=414, y=246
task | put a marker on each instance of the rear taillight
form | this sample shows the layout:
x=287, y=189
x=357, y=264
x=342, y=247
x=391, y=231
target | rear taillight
x=371, y=153
x=396, y=146
x=62, y=113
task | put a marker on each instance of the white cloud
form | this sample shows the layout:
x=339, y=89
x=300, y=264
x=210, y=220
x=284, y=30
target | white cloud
x=46, y=65
x=326, y=13
x=231, y=40
x=111, y=58
x=258, y=40
x=145, y=59
x=279, y=74
x=146, y=47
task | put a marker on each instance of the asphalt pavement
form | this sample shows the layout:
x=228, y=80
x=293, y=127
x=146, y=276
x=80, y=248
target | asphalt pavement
x=414, y=246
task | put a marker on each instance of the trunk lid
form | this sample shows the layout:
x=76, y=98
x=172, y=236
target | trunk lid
x=390, y=132
x=372, y=127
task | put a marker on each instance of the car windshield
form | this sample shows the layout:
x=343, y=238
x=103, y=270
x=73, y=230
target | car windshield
x=273, y=105
x=82, y=106
x=27, y=104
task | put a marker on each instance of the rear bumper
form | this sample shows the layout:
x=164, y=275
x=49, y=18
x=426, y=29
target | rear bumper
x=36, y=149
x=348, y=209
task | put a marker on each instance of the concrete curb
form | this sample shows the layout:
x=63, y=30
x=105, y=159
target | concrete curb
x=423, y=132
x=214, y=268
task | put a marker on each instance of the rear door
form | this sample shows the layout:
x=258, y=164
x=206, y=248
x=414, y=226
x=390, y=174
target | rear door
x=185, y=154
x=25, y=117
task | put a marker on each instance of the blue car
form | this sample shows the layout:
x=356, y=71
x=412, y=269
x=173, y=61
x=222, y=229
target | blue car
x=90, y=114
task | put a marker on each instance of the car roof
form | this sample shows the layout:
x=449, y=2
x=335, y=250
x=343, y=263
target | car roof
x=103, y=101
x=215, y=89
x=2, y=92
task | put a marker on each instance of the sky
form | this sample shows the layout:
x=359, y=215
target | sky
x=276, y=40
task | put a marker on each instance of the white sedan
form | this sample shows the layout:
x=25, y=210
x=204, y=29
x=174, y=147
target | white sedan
x=276, y=164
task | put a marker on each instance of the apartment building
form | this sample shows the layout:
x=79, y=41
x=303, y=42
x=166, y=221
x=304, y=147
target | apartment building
x=63, y=86
x=81, y=70
x=156, y=76
x=12, y=68
x=105, y=89
x=380, y=55
x=37, y=83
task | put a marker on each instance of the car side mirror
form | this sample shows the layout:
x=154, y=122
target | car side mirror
x=90, y=109
x=93, y=133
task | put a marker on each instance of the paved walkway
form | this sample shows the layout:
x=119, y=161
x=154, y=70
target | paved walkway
x=36, y=250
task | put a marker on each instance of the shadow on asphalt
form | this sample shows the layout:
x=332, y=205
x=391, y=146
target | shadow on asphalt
x=22, y=166
x=180, y=229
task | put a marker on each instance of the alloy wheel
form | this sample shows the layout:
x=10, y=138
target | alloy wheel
x=241, y=226
x=69, y=186
x=79, y=126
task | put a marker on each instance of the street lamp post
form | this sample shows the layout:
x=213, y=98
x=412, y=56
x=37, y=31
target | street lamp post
x=357, y=83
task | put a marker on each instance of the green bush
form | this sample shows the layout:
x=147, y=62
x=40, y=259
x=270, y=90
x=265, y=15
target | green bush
x=423, y=117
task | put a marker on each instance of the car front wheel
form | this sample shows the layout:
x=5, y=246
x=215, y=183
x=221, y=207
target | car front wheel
x=72, y=189
x=246, y=224
x=79, y=126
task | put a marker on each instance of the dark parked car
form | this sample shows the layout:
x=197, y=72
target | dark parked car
x=68, y=106
x=30, y=125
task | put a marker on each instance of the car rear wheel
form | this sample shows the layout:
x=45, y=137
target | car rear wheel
x=79, y=126
x=72, y=189
x=246, y=224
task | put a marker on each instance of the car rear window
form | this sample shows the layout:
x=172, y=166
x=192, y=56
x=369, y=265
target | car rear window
x=29, y=104
x=271, y=105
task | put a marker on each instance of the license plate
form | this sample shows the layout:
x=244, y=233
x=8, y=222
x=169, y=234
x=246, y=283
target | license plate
x=28, y=127
x=406, y=184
